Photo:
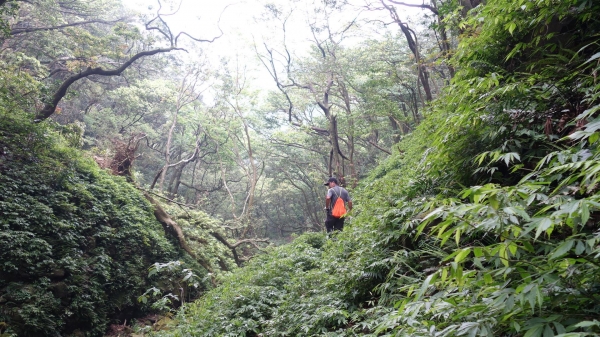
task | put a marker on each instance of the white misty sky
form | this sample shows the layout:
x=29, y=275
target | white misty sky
x=242, y=27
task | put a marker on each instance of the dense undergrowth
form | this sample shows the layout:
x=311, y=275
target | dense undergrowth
x=76, y=243
x=485, y=223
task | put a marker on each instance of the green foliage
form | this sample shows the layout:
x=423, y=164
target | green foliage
x=8, y=9
x=483, y=223
x=75, y=242
x=290, y=291
x=198, y=227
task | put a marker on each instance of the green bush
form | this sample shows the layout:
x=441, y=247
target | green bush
x=75, y=242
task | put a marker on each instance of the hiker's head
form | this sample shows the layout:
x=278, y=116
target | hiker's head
x=331, y=182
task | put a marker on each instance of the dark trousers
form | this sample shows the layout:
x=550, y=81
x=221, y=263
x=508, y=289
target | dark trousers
x=334, y=224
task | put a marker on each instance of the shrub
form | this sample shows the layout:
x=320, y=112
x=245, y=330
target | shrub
x=75, y=242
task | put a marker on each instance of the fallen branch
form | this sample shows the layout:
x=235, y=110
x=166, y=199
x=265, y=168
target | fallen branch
x=169, y=225
x=378, y=147
x=233, y=246
x=172, y=228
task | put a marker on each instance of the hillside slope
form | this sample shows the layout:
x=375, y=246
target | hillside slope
x=76, y=243
x=485, y=223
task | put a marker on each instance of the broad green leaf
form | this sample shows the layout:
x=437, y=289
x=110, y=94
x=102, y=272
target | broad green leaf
x=587, y=324
x=430, y=279
x=493, y=201
x=488, y=278
x=542, y=226
x=563, y=249
x=516, y=326
x=548, y=332
x=580, y=248
x=560, y=329
x=512, y=247
x=503, y=254
x=536, y=331
x=585, y=213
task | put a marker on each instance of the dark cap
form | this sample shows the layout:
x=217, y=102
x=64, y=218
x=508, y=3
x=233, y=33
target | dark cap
x=332, y=179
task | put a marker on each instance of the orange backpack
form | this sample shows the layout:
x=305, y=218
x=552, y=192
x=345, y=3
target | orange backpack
x=339, y=210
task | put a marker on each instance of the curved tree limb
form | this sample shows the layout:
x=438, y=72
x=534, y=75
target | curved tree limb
x=172, y=228
x=378, y=147
x=50, y=107
x=157, y=23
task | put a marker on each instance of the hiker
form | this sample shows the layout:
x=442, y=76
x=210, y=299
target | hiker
x=334, y=222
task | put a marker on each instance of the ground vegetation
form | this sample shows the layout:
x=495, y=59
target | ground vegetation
x=467, y=135
x=481, y=223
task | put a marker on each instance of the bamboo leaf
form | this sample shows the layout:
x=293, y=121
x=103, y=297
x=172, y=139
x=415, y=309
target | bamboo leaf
x=462, y=255
x=594, y=57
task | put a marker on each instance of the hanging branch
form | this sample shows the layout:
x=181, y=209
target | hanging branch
x=431, y=8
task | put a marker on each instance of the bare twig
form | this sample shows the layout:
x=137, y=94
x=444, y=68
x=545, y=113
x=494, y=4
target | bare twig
x=424, y=6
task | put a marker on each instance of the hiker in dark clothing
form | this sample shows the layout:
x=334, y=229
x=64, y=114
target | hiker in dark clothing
x=332, y=223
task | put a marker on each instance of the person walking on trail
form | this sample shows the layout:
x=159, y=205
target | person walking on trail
x=336, y=211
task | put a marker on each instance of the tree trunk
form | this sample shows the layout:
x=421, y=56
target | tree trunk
x=163, y=173
x=414, y=48
x=348, y=107
x=335, y=144
x=254, y=175
x=176, y=180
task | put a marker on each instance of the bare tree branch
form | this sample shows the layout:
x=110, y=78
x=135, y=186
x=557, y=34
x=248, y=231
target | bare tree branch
x=424, y=6
x=378, y=147
x=320, y=131
x=233, y=246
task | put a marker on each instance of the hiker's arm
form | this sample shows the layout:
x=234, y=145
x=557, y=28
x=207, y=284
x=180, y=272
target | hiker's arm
x=349, y=205
x=327, y=202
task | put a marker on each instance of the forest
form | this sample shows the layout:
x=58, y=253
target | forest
x=162, y=168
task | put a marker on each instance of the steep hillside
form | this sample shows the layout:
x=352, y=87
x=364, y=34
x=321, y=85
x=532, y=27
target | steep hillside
x=484, y=223
x=76, y=243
